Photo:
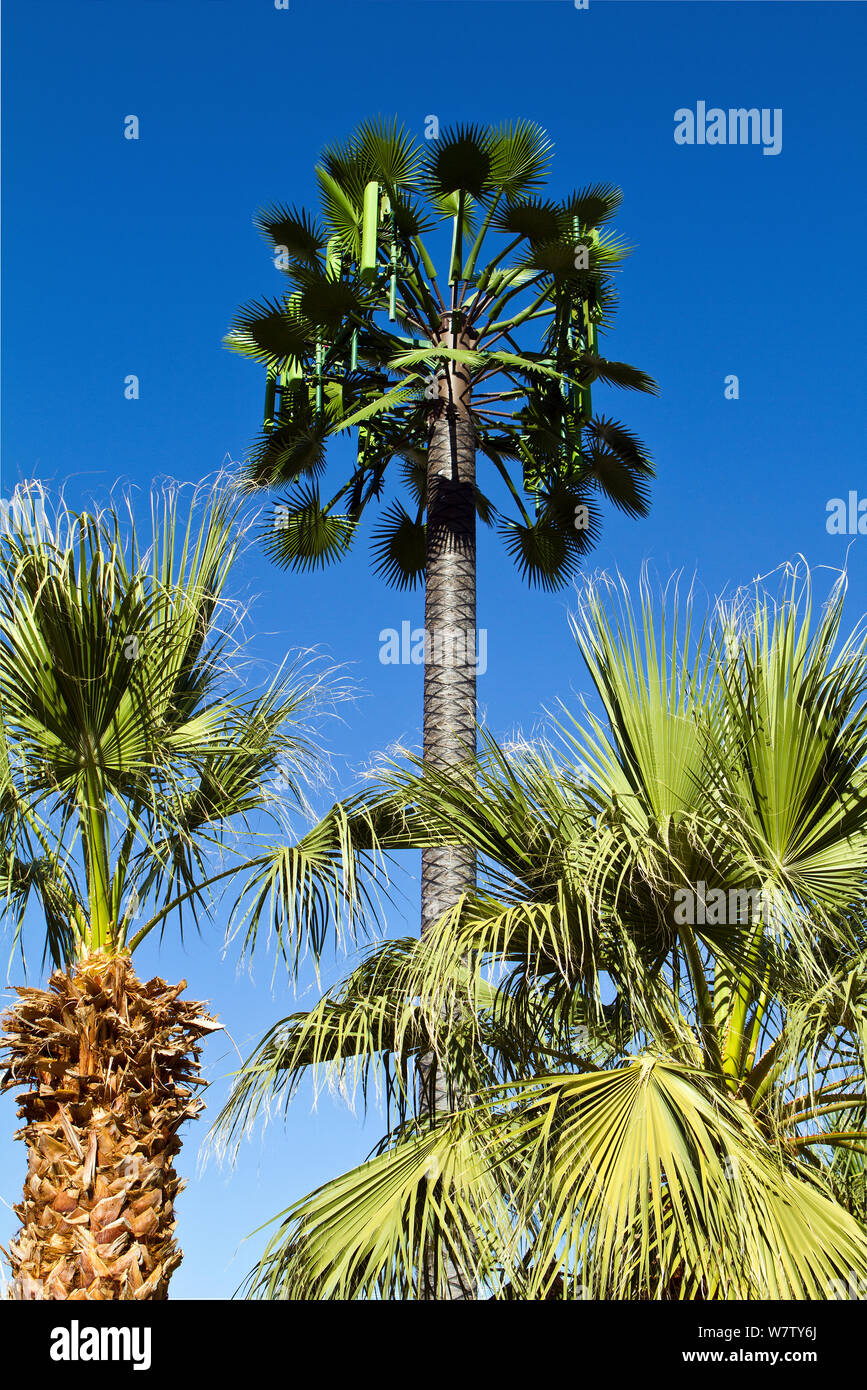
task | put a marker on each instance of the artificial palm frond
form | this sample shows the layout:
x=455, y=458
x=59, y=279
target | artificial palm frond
x=291, y=230
x=327, y=303
x=520, y=153
x=627, y=485
x=342, y=210
x=619, y=441
x=544, y=551
x=272, y=331
x=460, y=161
x=589, y=368
x=399, y=548
x=290, y=451
x=537, y=219
x=307, y=534
x=593, y=205
x=385, y=151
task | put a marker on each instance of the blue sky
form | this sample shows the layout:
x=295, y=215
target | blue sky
x=127, y=257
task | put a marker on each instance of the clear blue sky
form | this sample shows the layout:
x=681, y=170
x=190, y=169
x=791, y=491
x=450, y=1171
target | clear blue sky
x=130, y=257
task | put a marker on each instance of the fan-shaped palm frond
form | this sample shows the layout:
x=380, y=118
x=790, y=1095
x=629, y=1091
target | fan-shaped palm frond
x=647, y=1159
x=593, y=205
x=385, y=151
x=520, y=156
x=327, y=303
x=591, y=368
x=291, y=230
x=272, y=332
x=460, y=161
x=288, y=452
x=537, y=219
x=714, y=1086
x=306, y=534
x=543, y=550
x=399, y=548
x=624, y=484
x=128, y=755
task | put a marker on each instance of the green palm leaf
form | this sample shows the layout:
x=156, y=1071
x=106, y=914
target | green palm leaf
x=307, y=535
x=593, y=205
x=520, y=156
x=387, y=153
x=624, y=484
x=271, y=331
x=426, y=1206
x=461, y=160
x=539, y=220
x=645, y=1159
x=592, y=368
x=544, y=551
x=399, y=548
x=293, y=229
x=128, y=756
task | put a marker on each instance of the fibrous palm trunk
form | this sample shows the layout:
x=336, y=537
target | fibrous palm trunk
x=111, y=1067
x=450, y=671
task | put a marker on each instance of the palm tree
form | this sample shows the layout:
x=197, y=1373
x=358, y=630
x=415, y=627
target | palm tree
x=654, y=1003
x=496, y=357
x=135, y=775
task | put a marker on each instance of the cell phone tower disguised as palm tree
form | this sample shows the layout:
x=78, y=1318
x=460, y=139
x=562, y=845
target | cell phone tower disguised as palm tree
x=492, y=354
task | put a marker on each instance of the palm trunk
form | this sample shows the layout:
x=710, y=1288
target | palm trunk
x=112, y=1066
x=449, y=674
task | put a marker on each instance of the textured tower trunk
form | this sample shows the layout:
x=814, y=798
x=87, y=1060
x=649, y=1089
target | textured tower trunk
x=111, y=1066
x=450, y=671
x=450, y=616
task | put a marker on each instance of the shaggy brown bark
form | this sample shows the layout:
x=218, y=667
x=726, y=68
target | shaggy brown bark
x=111, y=1065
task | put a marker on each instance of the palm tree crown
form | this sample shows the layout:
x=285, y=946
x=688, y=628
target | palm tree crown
x=369, y=335
x=130, y=754
x=653, y=1004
